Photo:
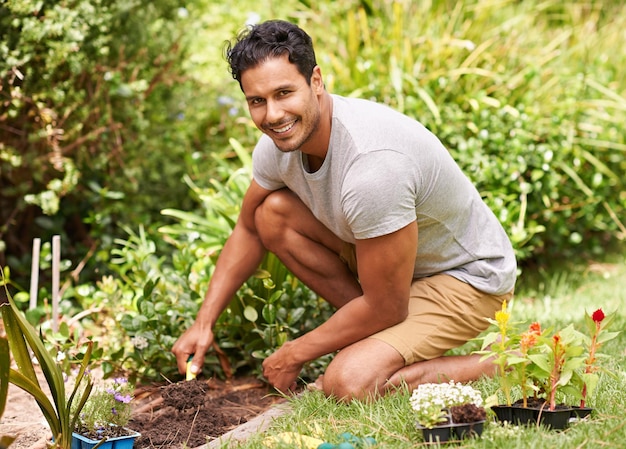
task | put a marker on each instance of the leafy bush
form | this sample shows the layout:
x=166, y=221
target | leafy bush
x=93, y=95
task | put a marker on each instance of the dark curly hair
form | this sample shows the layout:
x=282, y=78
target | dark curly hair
x=270, y=39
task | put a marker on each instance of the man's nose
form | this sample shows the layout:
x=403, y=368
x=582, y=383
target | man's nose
x=273, y=113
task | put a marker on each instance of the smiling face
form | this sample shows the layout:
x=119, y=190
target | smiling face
x=283, y=105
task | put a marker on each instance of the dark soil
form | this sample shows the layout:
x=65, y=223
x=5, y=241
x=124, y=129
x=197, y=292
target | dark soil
x=191, y=413
x=467, y=413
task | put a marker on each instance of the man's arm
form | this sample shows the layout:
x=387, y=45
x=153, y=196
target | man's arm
x=238, y=260
x=385, y=267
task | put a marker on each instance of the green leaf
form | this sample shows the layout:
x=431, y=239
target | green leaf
x=262, y=274
x=64, y=330
x=149, y=287
x=297, y=314
x=269, y=313
x=188, y=216
x=19, y=333
x=565, y=377
x=514, y=360
x=268, y=283
x=17, y=343
x=275, y=296
x=541, y=360
x=242, y=153
x=251, y=314
x=48, y=410
x=489, y=339
x=86, y=392
x=22, y=297
x=5, y=362
x=591, y=381
x=606, y=336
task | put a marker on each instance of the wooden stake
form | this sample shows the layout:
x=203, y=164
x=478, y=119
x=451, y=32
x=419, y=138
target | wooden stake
x=56, y=268
x=34, y=273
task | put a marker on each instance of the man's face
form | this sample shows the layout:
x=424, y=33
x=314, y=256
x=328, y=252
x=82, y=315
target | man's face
x=281, y=103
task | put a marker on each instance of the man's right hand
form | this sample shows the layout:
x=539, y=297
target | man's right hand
x=195, y=342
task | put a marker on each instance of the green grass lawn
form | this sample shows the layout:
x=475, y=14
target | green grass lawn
x=554, y=298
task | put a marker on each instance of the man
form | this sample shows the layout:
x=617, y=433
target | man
x=343, y=191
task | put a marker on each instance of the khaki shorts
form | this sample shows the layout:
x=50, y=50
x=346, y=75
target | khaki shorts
x=444, y=313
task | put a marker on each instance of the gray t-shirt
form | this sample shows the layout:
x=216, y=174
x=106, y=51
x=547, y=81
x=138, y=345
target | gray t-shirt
x=384, y=170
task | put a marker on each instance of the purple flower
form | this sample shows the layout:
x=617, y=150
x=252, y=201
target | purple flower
x=123, y=398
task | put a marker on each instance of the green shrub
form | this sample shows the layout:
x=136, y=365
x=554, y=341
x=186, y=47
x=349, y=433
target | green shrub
x=93, y=101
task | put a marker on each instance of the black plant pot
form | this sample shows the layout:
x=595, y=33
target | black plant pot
x=557, y=419
x=581, y=412
x=525, y=415
x=451, y=432
x=462, y=431
x=503, y=412
x=437, y=434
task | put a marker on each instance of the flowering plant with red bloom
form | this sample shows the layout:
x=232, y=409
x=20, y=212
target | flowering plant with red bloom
x=596, y=324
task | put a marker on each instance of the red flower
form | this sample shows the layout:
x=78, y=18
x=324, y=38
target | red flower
x=535, y=328
x=598, y=316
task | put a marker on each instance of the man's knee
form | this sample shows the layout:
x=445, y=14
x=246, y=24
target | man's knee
x=361, y=370
x=272, y=217
x=345, y=385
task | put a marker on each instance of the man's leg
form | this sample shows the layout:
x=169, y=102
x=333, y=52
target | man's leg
x=460, y=368
x=444, y=313
x=372, y=367
x=307, y=248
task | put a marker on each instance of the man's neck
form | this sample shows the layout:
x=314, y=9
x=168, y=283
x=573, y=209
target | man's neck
x=315, y=151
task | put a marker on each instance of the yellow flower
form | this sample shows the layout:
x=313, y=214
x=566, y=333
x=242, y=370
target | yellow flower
x=502, y=317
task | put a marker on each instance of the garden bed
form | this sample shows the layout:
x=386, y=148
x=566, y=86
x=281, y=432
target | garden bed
x=191, y=414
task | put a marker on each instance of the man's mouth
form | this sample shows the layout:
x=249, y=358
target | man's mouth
x=284, y=128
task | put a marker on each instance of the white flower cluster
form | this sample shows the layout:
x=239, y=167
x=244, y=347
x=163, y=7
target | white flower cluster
x=446, y=395
x=140, y=342
x=430, y=400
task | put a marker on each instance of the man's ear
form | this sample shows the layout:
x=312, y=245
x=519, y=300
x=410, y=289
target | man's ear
x=317, y=83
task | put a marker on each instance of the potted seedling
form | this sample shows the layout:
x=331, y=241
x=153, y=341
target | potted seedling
x=62, y=411
x=543, y=365
x=448, y=411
